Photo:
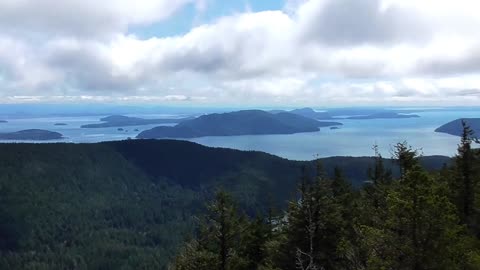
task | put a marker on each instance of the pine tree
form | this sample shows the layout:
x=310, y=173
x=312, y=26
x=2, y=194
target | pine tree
x=253, y=244
x=379, y=179
x=314, y=227
x=465, y=179
x=420, y=230
x=219, y=237
x=405, y=156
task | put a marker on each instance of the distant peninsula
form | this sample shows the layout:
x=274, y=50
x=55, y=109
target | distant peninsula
x=31, y=135
x=125, y=121
x=455, y=127
x=60, y=124
x=383, y=115
x=248, y=122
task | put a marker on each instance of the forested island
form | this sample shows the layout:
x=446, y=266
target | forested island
x=248, y=122
x=125, y=121
x=31, y=135
x=455, y=127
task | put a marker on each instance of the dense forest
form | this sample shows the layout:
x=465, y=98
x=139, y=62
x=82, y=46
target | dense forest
x=167, y=204
x=418, y=220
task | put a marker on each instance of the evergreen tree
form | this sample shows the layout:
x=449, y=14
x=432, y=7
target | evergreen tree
x=420, y=230
x=405, y=156
x=379, y=178
x=465, y=182
x=314, y=227
x=254, y=240
x=219, y=238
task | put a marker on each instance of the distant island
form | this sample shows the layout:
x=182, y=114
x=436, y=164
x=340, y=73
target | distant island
x=354, y=114
x=60, y=124
x=248, y=122
x=311, y=113
x=125, y=121
x=31, y=135
x=455, y=127
x=3, y=121
x=383, y=115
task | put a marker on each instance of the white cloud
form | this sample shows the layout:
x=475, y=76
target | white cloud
x=317, y=51
x=85, y=18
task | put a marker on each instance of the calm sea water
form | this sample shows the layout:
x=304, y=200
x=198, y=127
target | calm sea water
x=354, y=138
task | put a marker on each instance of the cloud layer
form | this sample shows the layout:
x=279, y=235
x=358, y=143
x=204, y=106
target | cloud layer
x=316, y=52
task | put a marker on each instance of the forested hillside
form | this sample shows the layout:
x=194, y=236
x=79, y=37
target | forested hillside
x=417, y=220
x=131, y=204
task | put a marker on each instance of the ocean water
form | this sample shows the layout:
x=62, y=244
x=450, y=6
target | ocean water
x=73, y=131
x=354, y=138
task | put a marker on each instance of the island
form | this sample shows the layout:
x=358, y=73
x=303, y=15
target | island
x=3, y=121
x=31, y=135
x=60, y=124
x=248, y=122
x=383, y=115
x=353, y=113
x=455, y=127
x=124, y=121
x=311, y=113
x=334, y=128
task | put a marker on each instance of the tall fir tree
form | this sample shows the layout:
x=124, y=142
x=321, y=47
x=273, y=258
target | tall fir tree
x=465, y=180
x=218, y=241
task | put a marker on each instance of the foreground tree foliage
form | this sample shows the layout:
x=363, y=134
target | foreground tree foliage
x=131, y=205
x=418, y=221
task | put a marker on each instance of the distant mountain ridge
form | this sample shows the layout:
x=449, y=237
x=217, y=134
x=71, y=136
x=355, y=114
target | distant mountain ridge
x=247, y=122
x=124, y=121
x=455, y=127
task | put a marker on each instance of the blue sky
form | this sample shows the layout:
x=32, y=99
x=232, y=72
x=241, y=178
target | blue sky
x=240, y=53
x=190, y=16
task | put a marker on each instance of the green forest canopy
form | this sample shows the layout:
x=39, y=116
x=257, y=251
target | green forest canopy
x=132, y=204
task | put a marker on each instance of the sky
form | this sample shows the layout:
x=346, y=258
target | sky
x=239, y=52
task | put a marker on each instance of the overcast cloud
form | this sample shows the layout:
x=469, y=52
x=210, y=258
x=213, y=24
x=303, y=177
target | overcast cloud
x=316, y=52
